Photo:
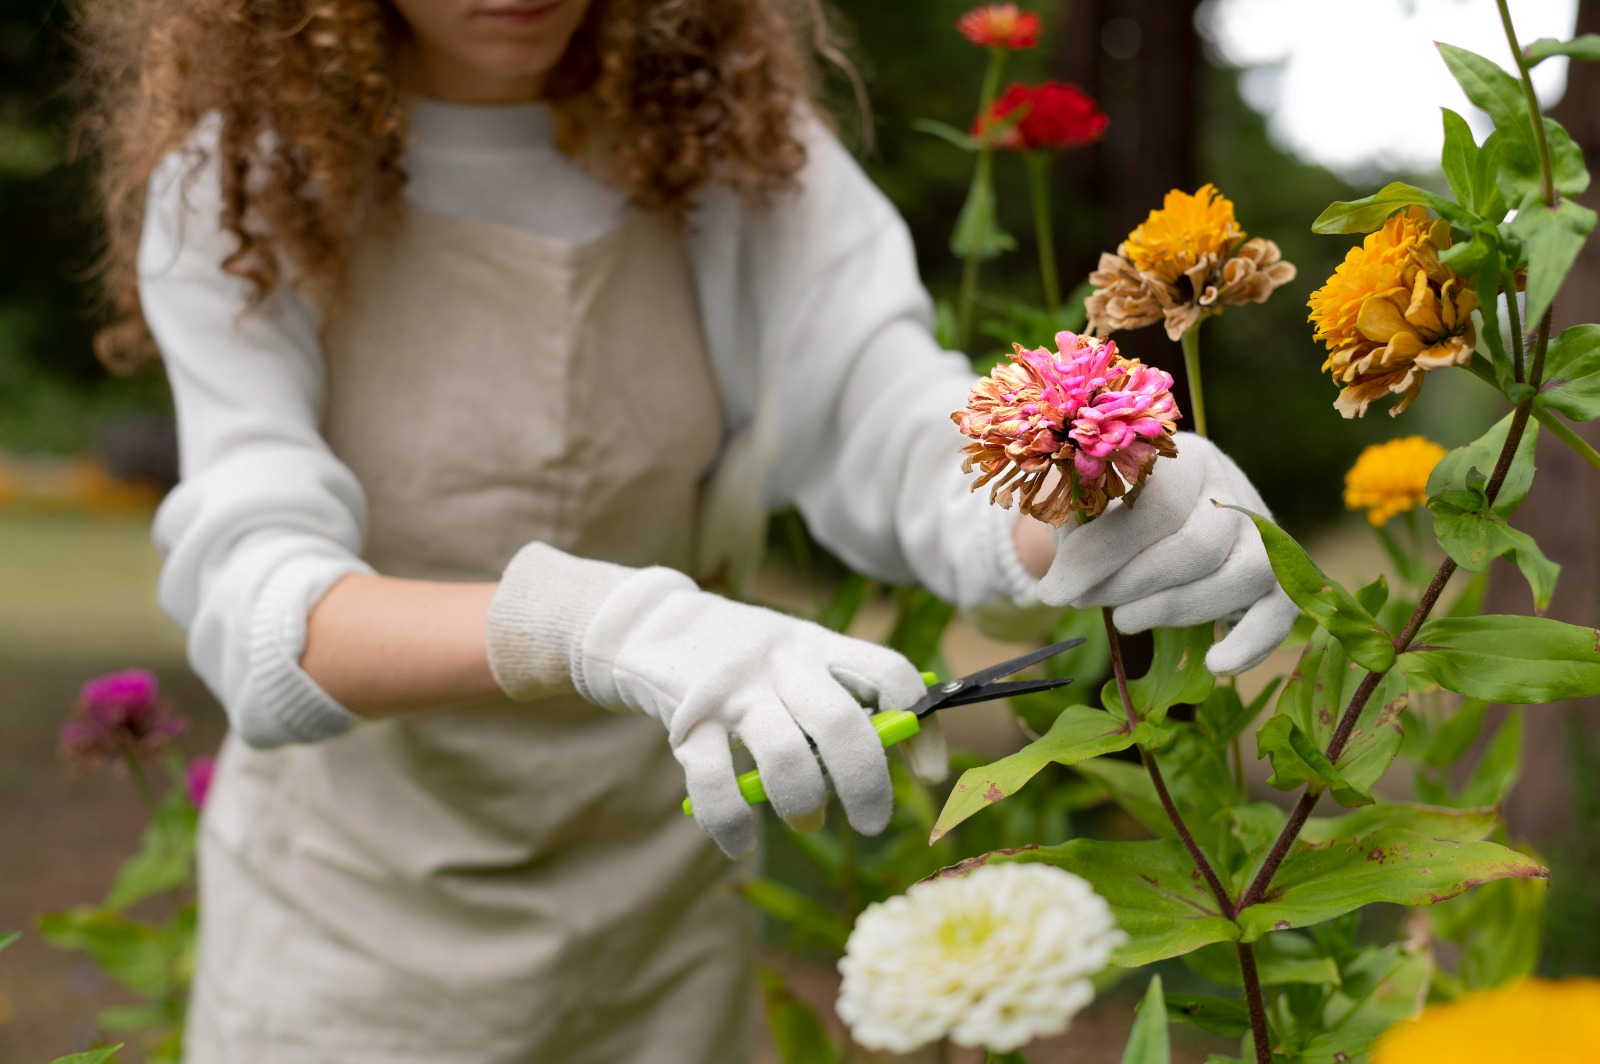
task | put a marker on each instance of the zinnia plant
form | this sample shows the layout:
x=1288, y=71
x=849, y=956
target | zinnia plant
x=1262, y=901
x=120, y=715
x=1392, y=312
x=1083, y=411
x=993, y=959
x=1186, y=261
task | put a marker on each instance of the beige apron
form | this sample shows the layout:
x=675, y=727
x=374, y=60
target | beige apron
x=499, y=883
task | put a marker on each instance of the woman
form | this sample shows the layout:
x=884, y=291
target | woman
x=488, y=323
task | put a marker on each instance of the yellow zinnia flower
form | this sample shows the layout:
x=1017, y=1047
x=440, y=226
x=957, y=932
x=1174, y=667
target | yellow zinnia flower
x=1186, y=231
x=1391, y=478
x=1183, y=263
x=1534, y=1021
x=1392, y=311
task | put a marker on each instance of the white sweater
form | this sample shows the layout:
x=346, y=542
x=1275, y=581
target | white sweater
x=836, y=397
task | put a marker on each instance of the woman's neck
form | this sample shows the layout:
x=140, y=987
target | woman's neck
x=438, y=75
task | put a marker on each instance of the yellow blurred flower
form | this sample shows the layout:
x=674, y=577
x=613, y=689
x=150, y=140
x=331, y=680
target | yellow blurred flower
x=1391, y=478
x=1534, y=1021
x=1392, y=311
x=1184, y=262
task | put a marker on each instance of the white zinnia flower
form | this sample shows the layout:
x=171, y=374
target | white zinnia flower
x=995, y=959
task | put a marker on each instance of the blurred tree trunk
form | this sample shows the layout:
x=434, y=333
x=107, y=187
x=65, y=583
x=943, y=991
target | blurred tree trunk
x=1562, y=512
x=1140, y=60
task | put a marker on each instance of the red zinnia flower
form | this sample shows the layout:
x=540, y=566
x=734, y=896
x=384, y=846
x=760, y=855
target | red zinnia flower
x=1054, y=117
x=1000, y=26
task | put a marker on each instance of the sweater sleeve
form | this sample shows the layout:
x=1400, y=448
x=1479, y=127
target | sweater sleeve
x=868, y=451
x=264, y=519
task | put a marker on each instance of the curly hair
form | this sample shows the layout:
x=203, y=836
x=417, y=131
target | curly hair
x=312, y=128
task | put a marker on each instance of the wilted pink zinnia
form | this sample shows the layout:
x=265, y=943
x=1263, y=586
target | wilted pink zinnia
x=118, y=715
x=1100, y=419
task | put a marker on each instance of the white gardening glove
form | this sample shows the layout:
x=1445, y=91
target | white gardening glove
x=1173, y=559
x=712, y=670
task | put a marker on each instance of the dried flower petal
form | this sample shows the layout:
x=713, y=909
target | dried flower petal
x=1100, y=419
x=1392, y=312
x=996, y=958
x=1182, y=264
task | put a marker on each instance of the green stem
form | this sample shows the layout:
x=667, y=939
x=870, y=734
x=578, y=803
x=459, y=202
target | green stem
x=1546, y=170
x=1038, y=164
x=849, y=861
x=982, y=177
x=1256, y=1002
x=1191, y=364
x=1508, y=280
x=1238, y=763
x=1563, y=432
x=142, y=781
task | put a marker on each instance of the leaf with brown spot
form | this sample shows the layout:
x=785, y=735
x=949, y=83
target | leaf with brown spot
x=1390, y=865
x=1079, y=733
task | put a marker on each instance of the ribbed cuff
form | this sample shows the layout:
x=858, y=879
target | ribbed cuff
x=1012, y=577
x=282, y=703
x=538, y=617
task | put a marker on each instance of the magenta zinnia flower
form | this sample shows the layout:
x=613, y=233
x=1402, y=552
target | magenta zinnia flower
x=197, y=779
x=117, y=715
x=1100, y=419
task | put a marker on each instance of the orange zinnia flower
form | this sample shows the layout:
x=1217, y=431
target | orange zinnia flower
x=1000, y=26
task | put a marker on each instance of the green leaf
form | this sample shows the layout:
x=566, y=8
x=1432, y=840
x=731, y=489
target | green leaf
x=133, y=1018
x=1079, y=733
x=1321, y=687
x=1551, y=238
x=1225, y=1016
x=1282, y=959
x=1495, y=91
x=1369, y=213
x=1455, y=736
x=1453, y=470
x=1472, y=534
x=796, y=1029
x=1326, y=601
x=1487, y=199
x=1224, y=715
x=93, y=1056
x=7, y=940
x=808, y=918
x=1519, y=660
x=1151, y=886
x=1460, y=156
x=947, y=133
x=977, y=231
x=1392, y=865
x=1177, y=674
x=1147, y=1042
x=1584, y=47
x=1572, y=373
x=1438, y=822
x=919, y=624
x=1521, y=177
x=1498, y=927
x=1197, y=775
x=854, y=592
x=1379, y=989
x=1498, y=766
x=165, y=860
x=138, y=956
x=1297, y=762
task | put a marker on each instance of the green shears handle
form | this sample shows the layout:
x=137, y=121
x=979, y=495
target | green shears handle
x=893, y=726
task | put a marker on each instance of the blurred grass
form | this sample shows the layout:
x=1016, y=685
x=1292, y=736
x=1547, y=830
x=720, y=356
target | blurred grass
x=75, y=587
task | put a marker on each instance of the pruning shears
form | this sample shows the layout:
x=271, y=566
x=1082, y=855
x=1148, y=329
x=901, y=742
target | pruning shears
x=897, y=725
